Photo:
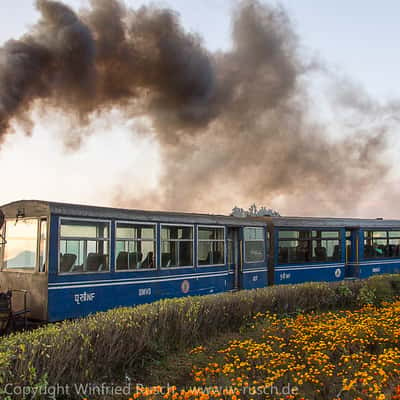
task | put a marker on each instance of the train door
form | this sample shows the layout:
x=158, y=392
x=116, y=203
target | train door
x=352, y=252
x=235, y=264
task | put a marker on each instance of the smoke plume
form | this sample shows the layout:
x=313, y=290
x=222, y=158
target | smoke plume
x=231, y=125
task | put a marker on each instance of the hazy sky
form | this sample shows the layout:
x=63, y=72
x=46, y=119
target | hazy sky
x=355, y=38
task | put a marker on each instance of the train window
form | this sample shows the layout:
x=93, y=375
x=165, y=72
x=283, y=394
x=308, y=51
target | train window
x=379, y=234
x=328, y=234
x=20, y=250
x=381, y=244
x=135, y=246
x=42, y=245
x=176, y=246
x=288, y=234
x=288, y=251
x=211, y=246
x=310, y=246
x=254, y=244
x=84, y=246
x=394, y=246
x=325, y=250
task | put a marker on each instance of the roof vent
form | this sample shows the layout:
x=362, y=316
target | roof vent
x=380, y=218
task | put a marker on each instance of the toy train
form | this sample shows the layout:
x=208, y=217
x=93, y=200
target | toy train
x=75, y=260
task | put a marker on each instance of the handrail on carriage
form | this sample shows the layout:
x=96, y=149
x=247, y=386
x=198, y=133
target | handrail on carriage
x=8, y=316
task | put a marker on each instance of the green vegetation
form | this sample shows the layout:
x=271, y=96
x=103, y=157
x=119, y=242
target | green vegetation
x=130, y=340
x=331, y=355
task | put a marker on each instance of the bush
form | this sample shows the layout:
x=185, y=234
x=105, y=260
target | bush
x=366, y=296
x=108, y=344
x=345, y=296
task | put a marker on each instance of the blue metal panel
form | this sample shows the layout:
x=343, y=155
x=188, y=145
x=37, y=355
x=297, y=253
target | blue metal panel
x=254, y=275
x=112, y=247
x=195, y=229
x=230, y=280
x=378, y=267
x=352, y=267
x=158, y=246
x=352, y=271
x=309, y=273
x=360, y=245
x=53, y=248
x=343, y=245
x=253, y=278
x=80, y=298
x=276, y=247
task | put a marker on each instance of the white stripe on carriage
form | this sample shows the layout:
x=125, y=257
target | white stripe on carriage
x=296, y=268
x=135, y=279
x=249, y=271
x=311, y=265
x=133, y=282
x=366, y=263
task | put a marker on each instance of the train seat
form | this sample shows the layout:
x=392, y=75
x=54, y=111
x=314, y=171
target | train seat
x=283, y=255
x=148, y=262
x=368, y=251
x=92, y=262
x=103, y=262
x=67, y=262
x=166, y=260
x=320, y=253
x=217, y=257
x=134, y=260
x=122, y=260
x=302, y=254
x=336, y=252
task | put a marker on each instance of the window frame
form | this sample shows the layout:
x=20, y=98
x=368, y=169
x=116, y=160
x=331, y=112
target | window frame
x=38, y=240
x=108, y=221
x=310, y=239
x=46, y=247
x=387, y=239
x=229, y=241
x=257, y=240
x=208, y=240
x=193, y=245
x=155, y=241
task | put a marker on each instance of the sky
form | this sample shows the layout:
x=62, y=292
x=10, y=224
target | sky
x=356, y=39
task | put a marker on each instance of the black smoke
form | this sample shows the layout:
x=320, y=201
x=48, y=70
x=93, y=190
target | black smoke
x=230, y=124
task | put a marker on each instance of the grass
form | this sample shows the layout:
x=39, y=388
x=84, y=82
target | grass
x=138, y=341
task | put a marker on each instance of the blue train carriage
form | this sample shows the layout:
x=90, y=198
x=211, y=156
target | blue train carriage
x=307, y=249
x=75, y=260
x=332, y=249
x=379, y=248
